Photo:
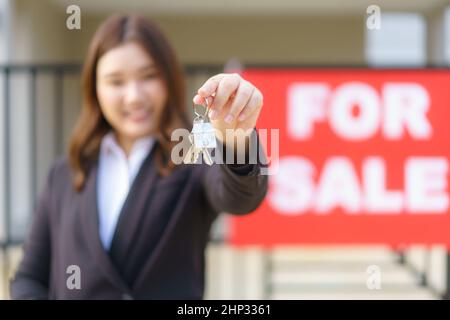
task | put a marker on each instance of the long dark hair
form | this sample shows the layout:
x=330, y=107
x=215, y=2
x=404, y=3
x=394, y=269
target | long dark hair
x=92, y=126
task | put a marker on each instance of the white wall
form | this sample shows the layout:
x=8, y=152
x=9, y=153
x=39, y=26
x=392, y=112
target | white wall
x=5, y=14
x=439, y=36
x=40, y=34
x=266, y=39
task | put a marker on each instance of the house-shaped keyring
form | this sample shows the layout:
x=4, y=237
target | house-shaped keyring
x=204, y=136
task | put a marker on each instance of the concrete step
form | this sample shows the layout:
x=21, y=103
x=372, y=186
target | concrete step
x=364, y=254
x=314, y=272
x=344, y=277
x=417, y=294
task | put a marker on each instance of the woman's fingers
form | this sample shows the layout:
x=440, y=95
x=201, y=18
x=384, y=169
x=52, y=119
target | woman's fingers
x=198, y=99
x=254, y=103
x=210, y=86
x=226, y=88
x=230, y=97
x=219, y=89
x=242, y=97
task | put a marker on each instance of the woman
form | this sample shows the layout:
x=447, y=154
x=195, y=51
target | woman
x=118, y=210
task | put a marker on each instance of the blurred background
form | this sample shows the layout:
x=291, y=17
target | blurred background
x=40, y=60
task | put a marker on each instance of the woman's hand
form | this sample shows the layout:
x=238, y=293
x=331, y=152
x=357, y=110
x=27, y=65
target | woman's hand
x=234, y=102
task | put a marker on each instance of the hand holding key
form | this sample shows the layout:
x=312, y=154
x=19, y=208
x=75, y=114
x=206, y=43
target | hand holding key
x=234, y=103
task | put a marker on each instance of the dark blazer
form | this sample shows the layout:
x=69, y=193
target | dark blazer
x=157, y=251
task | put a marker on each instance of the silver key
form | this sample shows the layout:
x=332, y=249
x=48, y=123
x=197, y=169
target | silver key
x=201, y=138
x=193, y=152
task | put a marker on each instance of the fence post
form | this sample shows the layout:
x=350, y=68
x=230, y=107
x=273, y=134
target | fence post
x=7, y=172
x=446, y=295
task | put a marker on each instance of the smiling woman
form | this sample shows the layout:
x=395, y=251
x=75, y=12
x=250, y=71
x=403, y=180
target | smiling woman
x=130, y=68
x=131, y=93
x=117, y=208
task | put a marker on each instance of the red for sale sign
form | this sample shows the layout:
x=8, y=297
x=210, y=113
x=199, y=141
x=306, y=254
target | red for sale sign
x=362, y=157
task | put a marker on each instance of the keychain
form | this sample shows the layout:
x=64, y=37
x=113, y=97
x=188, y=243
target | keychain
x=201, y=138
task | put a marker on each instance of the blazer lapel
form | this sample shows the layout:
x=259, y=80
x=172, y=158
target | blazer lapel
x=90, y=225
x=130, y=218
x=159, y=248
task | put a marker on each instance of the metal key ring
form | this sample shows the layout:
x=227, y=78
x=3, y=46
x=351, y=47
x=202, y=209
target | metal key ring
x=198, y=115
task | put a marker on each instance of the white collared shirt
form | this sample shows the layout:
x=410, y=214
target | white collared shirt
x=116, y=174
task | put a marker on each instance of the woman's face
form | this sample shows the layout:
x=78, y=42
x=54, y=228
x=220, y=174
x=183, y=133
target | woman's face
x=131, y=92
